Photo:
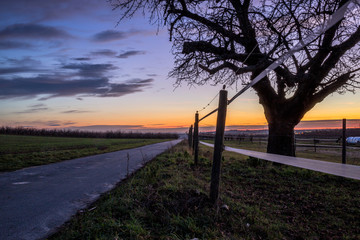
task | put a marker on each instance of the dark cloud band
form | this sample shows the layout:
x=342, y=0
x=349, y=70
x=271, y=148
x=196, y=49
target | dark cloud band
x=6, y=45
x=32, y=31
x=130, y=53
x=104, y=52
x=75, y=111
x=110, y=35
x=58, y=86
x=90, y=70
x=75, y=79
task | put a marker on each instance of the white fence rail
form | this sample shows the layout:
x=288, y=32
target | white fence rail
x=338, y=169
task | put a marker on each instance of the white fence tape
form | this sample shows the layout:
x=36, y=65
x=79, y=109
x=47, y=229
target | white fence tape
x=337, y=169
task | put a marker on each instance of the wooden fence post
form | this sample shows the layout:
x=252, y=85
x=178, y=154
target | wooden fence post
x=218, y=147
x=196, y=139
x=190, y=136
x=344, y=142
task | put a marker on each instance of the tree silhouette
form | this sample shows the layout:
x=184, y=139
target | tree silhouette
x=232, y=41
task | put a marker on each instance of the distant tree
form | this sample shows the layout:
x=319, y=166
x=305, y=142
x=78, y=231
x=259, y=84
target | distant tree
x=231, y=41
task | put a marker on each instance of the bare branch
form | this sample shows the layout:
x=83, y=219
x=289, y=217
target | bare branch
x=222, y=53
x=227, y=65
x=330, y=88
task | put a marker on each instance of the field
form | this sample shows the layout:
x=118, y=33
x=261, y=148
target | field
x=168, y=199
x=18, y=152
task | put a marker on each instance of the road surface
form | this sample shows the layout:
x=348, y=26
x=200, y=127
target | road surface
x=35, y=201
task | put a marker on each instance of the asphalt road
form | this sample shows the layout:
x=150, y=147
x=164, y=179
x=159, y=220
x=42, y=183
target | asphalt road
x=35, y=201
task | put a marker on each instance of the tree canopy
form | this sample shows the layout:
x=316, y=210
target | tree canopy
x=231, y=41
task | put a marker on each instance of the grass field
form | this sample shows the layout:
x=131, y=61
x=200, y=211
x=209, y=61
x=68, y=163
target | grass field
x=17, y=152
x=168, y=199
x=324, y=154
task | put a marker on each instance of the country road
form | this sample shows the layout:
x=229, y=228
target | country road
x=35, y=201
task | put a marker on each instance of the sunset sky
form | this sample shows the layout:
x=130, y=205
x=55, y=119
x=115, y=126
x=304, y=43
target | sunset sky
x=69, y=64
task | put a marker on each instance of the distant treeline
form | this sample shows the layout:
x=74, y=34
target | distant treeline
x=331, y=133
x=84, y=134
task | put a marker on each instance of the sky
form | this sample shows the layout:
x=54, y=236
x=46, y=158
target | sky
x=72, y=64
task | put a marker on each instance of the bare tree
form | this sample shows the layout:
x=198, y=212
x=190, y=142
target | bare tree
x=230, y=41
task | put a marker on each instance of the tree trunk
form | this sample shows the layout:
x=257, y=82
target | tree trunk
x=281, y=138
x=282, y=116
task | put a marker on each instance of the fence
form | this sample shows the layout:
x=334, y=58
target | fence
x=338, y=169
x=310, y=142
x=219, y=137
x=224, y=102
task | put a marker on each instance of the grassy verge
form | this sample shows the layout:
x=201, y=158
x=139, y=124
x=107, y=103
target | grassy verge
x=17, y=152
x=168, y=199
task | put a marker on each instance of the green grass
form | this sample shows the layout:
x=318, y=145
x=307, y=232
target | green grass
x=18, y=152
x=254, y=146
x=168, y=199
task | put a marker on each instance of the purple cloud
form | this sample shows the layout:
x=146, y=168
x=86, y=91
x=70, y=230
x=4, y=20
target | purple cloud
x=110, y=35
x=38, y=105
x=15, y=45
x=25, y=61
x=34, y=108
x=11, y=70
x=104, y=128
x=32, y=31
x=79, y=80
x=104, y=52
x=53, y=124
x=90, y=70
x=75, y=111
x=58, y=85
x=81, y=59
x=131, y=53
x=152, y=75
x=45, y=10
x=23, y=65
x=132, y=86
